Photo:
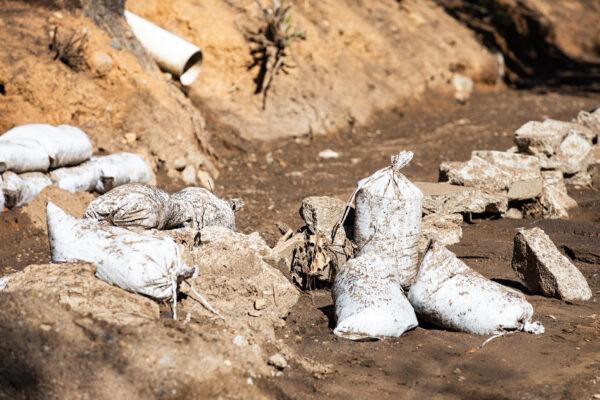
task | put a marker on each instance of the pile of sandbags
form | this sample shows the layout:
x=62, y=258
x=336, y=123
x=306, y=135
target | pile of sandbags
x=34, y=156
x=136, y=205
x=369, y=290
x=528, y=179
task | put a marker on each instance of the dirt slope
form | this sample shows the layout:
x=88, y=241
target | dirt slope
x=107, y=92
x=358, y=57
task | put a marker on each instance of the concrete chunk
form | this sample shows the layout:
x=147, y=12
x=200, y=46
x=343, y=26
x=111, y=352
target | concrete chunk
x=443, y=228
x=444, y=198
x=555, y=200
x=574, y=154
x=590, y=120
x=538, y=138
x=477, y=173
x=544, y=270
x=322, y=213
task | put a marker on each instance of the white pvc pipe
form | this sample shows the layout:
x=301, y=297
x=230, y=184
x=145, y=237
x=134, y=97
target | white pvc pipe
x=172, y=53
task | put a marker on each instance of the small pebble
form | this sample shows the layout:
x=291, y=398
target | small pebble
x=278, y=361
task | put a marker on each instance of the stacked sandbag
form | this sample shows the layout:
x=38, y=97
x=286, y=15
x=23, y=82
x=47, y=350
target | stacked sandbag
x=369, y=300
x=38, y=147
x=448, y=294
x=144, y=206
x=388, y=218
x=138, y=263
x=37, y=155
x=368, y=290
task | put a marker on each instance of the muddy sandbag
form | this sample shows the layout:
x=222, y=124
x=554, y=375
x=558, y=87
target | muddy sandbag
x=448, y=294
x=64, y=144
x=198, y=208
x=137, y=263
x=121, y=168
x=20, y=190
x=81, y=178
x=369, y=301
x=388, y=218
x=132, y=205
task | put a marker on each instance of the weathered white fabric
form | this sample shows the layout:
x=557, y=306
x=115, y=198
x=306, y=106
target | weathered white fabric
x=449, y=294
x=369, y=302
x=138, y=263
x=132, y=204
x=198, y=208
x=121, y=168
x=388, y=218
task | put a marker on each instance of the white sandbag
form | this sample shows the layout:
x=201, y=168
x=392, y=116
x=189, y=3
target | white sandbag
x=121, y=168
x=23, y=157
x=132, y=205
x=81, y=178
x=369, y=302
x=138, y=263
x=449, y=294
x=32, y=184
x=198, y=208
x=12, y=185
x=64, y=144
x=388, y=218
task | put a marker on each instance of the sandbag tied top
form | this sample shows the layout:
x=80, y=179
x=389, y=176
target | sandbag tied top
x=121, y=168
x=132, y=205
x=50, y=147
x=369, y=302
x=22, y=189
x=138, y=263
x=388, y=217
x=449, y=294
x=198, y=208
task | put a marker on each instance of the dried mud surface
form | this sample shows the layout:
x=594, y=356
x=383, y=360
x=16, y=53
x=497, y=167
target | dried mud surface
x=426, y=363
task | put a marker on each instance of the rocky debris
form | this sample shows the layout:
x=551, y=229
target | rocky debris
x=513, y=213
x=574, y=154
x=278, y=361
x=77, y=286
x=188, y=175
x=477, y=173
x=590, y=120
x=525, y=172
x=555, y=200
x=443, y=228
x=463, y=87
x=444, y=198
x=538, y=138
x=580, y=180
x=322, y=214
x=544, y=270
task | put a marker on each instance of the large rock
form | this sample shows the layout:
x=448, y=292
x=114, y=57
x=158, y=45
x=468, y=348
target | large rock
x=544, y=270
x=77, y=286
x=444, y=229
x=538, y=138
x=321, y=214
x=477, y=173
x=525, y=171
x=574, y=154
x=590, y=120
x=444, y=198
x=555, y=200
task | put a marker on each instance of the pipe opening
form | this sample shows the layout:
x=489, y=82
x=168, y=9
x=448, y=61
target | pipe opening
x=191, y=69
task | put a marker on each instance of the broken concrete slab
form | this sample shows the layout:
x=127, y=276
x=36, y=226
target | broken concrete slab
x=443, y=228
x=536, y=137
x=444, y=198
x=77, y=286
x=525, y=171
x=544, y=270
x=574, y=154
x=477, y=173
x=555, y=200
x=321, y=214
x=581, y=179
x=590, y=120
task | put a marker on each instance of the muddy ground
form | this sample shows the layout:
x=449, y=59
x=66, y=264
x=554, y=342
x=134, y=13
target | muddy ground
x=426, y=363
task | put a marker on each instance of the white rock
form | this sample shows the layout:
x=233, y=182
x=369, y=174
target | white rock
x=322, y=213
x=327, y=154
x=574, y=154
x=463, y=87
x=278, y=361
x=443, y=228
x=477, y=173
x=590, y=120
x=513, y=213
x=444, y=198
x=544, y=270
x=188, y=175
x=580, y=180
x=555, y=200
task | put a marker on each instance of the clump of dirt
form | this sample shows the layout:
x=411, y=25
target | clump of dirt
x=357, y=58
x=51, y=74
